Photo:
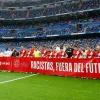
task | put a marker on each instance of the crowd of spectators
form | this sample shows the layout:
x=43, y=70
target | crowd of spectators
x=63, y=8
x=69, y=22
x=82, y=42
x=47, y=32
x=29, y=3
x=53, y=28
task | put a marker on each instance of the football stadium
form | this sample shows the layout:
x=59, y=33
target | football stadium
x=49, y=49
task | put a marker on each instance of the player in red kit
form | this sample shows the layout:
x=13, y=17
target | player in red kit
x=28, y=53
x=55, y=54
x=90, y=53
x=32, y=51
x=76, y=53
x=22, y=52
x=62, y=54
x=97, y=53
x=49, y=53
x=44, y=51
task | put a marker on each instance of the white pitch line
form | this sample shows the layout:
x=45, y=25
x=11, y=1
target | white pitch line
x=17, y=79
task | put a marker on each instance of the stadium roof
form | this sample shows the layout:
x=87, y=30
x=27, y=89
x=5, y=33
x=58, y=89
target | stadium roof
x=29, y=0
x=30, y=3
x=18, y=0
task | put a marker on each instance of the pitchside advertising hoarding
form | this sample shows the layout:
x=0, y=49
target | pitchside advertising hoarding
x=89, y=68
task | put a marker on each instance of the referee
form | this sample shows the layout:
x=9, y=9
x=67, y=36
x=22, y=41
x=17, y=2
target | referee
x=69, y=51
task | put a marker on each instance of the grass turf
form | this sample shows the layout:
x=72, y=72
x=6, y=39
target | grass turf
x=44, y=87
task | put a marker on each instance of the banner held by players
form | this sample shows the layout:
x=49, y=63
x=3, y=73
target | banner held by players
x=88, y=68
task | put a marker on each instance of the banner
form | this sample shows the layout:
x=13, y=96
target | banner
x=86, y=68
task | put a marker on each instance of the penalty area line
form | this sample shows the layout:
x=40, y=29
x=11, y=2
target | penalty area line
x=12, y=80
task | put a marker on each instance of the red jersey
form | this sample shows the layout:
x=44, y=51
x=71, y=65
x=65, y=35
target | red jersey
x=90, y=54
x=22, y=52
x=56, y=55
x=44, y=53
x=76, y=54
x=32, y=52
x=28, y=54
x=62, y=54
x=97, y=54
x=50, y=54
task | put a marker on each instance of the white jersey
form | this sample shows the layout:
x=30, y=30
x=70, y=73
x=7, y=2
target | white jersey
x=1, y=54
x=84, y=54
x=7, y=53
x=57, y=49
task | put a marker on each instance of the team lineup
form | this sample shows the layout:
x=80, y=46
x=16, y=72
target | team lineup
x=56, y=52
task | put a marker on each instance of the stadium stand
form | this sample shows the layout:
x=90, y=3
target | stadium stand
x=60, y=28
x=92, y=42
x=52, y=9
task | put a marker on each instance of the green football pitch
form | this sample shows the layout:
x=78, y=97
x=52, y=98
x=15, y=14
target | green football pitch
x=21, y=86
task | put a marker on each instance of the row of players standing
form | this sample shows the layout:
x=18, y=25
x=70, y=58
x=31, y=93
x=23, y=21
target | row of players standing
x=57, y=52
x=53, y=53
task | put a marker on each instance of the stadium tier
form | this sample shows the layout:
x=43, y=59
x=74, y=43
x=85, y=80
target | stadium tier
x=80, y=43
x=48, y=9
x=46, y=29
